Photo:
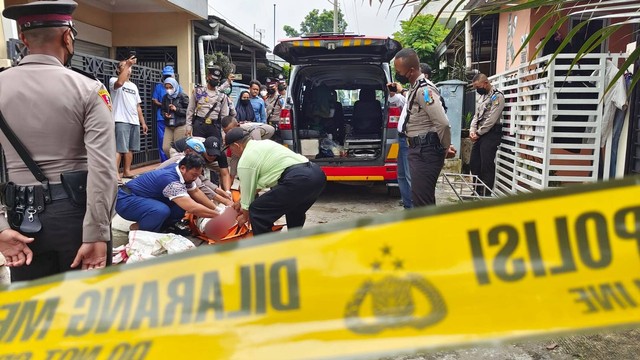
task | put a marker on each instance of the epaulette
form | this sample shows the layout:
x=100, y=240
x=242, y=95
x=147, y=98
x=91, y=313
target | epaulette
x=87, y=74
x=2, y=69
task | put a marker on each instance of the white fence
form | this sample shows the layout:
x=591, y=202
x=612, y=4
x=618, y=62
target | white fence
x=552, y=124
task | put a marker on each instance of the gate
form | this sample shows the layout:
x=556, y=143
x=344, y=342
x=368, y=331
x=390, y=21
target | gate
x=146, y=79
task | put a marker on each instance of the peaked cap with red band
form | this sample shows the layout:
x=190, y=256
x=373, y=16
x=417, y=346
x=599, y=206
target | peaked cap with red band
x=41, y=14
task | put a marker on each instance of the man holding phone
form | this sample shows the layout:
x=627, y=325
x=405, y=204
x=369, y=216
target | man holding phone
x=127, y=114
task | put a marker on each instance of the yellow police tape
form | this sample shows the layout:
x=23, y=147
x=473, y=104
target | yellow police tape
x=540, y=264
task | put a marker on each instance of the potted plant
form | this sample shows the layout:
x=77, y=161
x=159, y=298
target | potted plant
x=467, y=125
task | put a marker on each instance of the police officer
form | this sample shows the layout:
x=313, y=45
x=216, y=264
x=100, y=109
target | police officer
x=207, y=106
x=486, y=131
x=426, y=128
x=65, y=126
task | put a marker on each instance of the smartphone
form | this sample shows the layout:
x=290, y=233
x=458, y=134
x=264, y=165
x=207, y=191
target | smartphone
x=393, y=88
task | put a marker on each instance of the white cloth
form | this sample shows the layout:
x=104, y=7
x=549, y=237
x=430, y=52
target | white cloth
x=397, y=100
x=125, y=101
x=403, y=116
x=615, y=98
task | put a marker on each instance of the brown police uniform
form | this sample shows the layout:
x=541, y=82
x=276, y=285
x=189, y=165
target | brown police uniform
x=486, y=124
x=206, y=109
x=63, y=118
x=428, y=136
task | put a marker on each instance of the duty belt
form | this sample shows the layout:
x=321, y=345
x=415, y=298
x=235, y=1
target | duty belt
x=430, y=138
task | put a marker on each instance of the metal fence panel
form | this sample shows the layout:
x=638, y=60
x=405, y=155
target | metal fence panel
x=553, y=124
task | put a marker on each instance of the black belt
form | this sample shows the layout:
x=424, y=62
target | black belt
x=424, y=139
x=58, y=192
x=305, y=164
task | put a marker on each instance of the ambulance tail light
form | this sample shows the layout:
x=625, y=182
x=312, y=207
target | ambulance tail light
x=394, y=117
x=285, y=119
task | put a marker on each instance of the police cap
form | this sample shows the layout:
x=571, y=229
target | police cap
x=42, y=14
x=215, y=71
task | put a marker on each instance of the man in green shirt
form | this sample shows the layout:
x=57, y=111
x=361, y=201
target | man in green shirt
x=295, y=182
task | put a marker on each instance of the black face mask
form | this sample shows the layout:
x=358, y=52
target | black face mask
x=244, y=101
x=281, y=88
x=67, y=61
x=481, y=91
x=271, y=91
x=214, y=82
x=403, y=79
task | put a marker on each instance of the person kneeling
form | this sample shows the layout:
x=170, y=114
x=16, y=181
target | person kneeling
x=158, y=199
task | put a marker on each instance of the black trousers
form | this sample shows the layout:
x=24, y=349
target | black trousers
x=57, y=244
x=425, y=163
x=298, y=189
x=483, y=158
x=202, y=129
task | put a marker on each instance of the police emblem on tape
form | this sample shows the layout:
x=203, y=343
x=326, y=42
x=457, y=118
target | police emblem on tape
x=393, y=301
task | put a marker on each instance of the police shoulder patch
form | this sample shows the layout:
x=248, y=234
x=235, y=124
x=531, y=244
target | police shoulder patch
x=104, y=94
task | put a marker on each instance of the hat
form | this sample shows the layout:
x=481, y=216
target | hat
x=214, y=70
x=212, y=144
x=271, y=82
x=42, y=14
x=168, y=70
x=196, y=145
x=234, y=135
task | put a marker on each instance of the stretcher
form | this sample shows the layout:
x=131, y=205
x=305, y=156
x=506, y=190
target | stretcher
x=235, y=232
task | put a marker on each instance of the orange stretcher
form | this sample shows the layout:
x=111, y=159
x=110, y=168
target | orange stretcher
x=235, y=232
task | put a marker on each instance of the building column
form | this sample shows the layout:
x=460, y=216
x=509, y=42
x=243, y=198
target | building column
x=8, y=30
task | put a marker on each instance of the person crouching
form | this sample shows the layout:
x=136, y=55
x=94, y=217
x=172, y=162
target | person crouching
x=158, y=199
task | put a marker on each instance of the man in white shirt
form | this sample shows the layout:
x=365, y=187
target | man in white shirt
x=127, y=114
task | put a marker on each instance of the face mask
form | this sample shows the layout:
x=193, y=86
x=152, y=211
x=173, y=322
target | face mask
x=227, y=91
x=67, y=61
x=271, y=91
x=244, y=101
x=263, y=93
x=481, y=91
x=214, y=82
x=403, y=79
x=170, y=92
x=281, y=88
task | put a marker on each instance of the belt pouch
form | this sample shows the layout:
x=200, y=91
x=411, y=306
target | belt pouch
x=31, y=221
x=75, y=184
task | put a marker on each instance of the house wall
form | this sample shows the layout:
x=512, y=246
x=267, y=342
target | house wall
x=515, y=27
x=136, y=29
x=4, y=62
x=144, y=29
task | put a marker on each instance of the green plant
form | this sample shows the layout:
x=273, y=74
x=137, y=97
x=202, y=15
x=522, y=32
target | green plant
x=467, y=120
x=221, y=60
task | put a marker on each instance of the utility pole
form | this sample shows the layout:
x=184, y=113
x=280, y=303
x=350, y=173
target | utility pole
x=274, y=26
x=335, y=15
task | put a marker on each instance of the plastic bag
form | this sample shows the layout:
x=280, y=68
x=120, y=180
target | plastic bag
x=145, y=245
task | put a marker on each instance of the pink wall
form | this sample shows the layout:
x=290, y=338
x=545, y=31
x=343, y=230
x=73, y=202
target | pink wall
x=512, y=29
x=526, y=19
